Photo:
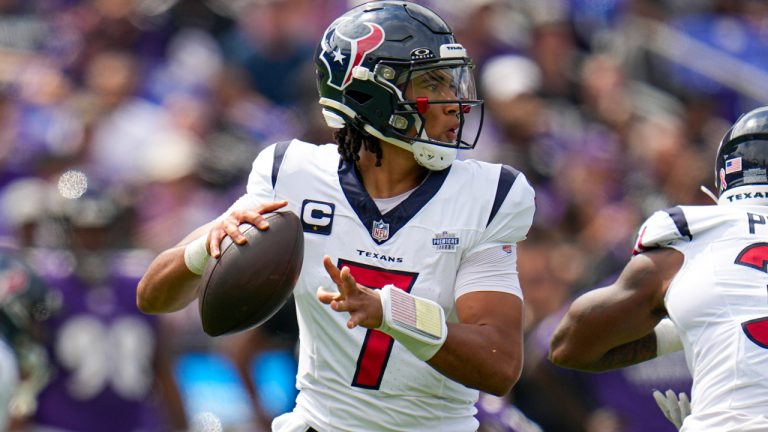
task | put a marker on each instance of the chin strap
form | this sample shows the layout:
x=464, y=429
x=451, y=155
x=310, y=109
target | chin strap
x=430, y=156
x=433, y=157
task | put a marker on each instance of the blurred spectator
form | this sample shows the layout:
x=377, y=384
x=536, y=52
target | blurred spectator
x=44, y=131
x=611, y=109
x=111, y=369
x=270, y=42
x=486, y=28
x=22, y=202
x=521, y=126
x=124, y=129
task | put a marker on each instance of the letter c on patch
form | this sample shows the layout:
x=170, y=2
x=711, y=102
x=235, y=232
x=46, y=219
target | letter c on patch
x=317, y=217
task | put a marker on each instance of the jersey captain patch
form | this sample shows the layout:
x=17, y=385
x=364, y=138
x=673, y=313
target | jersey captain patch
x=317, y=216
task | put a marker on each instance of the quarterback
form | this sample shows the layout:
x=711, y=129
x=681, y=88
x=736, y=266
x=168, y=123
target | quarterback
x=409, y=302
x=697, y=282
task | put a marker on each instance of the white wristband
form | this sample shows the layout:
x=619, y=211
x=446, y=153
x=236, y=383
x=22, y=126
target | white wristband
x=667, y=338
x=417, y=323
x=196, y=255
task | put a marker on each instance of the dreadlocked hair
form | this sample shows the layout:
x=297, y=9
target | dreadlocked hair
x=351, y=139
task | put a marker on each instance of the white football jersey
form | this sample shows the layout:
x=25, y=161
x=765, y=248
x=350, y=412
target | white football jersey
x=719, y=303
x=360, y=379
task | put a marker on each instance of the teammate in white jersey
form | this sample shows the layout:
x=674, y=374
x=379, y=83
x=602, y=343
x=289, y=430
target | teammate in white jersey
x=420, y=305
x=705, y=268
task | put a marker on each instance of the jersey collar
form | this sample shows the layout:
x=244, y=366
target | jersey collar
x=384, y=227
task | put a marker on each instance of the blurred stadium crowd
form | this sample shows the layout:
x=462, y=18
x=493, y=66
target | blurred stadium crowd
x=139, y=120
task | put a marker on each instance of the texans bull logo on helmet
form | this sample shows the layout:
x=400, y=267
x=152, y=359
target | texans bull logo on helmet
x=344, y=49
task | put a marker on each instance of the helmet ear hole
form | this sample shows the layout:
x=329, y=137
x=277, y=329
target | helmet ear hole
x=358, y=97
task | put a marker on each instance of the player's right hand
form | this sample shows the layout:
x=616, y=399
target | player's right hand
x=362, y=303
x=675, y=409
x=230, y=226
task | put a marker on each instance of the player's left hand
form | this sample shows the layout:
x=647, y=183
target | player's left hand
x=362, y=303
x=675, y=409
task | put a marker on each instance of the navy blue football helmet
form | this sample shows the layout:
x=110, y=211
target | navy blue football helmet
x=742, y=160
x=365, y=63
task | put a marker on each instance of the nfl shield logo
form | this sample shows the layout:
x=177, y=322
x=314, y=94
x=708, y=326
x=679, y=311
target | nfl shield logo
x=380, y=230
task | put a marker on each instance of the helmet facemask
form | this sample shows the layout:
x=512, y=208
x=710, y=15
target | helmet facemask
x=423, y=97
x=433, y=113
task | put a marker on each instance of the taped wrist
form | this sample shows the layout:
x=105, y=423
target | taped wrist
x=667, y=338
x=196, y=255
x=416, y=323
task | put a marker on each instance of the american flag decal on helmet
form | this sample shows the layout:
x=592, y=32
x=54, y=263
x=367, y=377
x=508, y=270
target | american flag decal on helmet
x=733, y=165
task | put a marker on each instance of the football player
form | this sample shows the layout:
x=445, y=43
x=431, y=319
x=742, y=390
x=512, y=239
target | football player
x=697, y=282
x=415, y=251
x=109, y=359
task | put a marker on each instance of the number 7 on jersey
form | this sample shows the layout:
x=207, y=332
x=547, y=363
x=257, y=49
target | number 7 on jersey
x=377, y=346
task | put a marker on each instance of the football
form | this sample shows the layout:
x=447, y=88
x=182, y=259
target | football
x=249, y=283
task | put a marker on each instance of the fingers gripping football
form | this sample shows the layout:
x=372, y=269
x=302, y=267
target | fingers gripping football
x=362, y=303
x=230, y=226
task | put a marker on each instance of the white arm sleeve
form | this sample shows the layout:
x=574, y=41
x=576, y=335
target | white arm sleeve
x=492, y=269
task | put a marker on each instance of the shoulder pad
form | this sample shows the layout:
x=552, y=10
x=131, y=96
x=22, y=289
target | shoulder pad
x=512, y=211
x=663, y=228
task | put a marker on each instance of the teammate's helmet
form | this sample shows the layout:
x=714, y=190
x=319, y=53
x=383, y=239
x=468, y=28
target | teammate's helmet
x=368, y=57
x=741, y=168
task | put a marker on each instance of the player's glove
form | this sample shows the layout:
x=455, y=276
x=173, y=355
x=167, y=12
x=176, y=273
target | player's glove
x=675, y=409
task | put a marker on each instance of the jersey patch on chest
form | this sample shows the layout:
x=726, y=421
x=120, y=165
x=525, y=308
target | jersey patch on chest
x=445, y=242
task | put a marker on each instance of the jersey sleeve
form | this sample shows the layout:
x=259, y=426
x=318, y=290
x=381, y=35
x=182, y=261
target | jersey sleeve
x=509, y=223
x=261, y=180
x=665, y=228
x=493, y=269
x=491, y=264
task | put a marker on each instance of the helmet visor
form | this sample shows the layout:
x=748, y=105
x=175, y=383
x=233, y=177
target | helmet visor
x=448, y=84
x=443, y=102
